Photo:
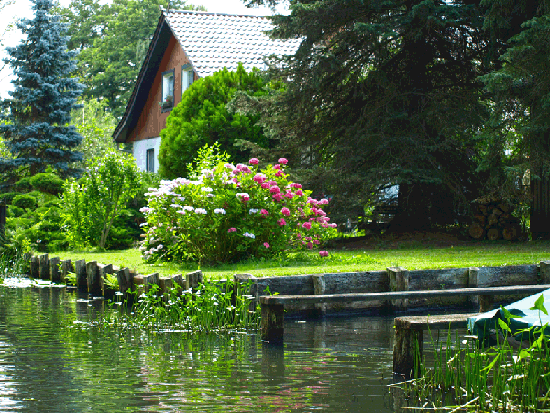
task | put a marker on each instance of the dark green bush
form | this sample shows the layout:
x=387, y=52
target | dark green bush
x=23, y=185
x=48, y=183
x=14, y=211
x=7, y=197
x=24, y=201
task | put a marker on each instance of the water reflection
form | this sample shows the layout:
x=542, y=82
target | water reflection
x=49, y=362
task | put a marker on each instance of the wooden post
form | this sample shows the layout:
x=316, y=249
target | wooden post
x=166, y=284
x=124, y=280
x=34, y=268
x=103, y=270
x=66, y=267
x=399, y=281
x=545, y=272
x=44, y=267
x=319, y=289
x=178, y=280
x=92, y=276
x=473, y=282
x=273, y=319
x=152, y=279
x=55, y=271
x=407, y=349
x=81, y=276
x=194, y=279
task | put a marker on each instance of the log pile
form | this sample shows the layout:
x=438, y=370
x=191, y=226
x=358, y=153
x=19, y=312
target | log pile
x=493, y=219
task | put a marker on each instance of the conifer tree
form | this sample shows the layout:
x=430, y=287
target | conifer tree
x=36, y=118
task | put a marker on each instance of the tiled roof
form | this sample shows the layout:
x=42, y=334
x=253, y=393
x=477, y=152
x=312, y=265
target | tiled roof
x=213, y=41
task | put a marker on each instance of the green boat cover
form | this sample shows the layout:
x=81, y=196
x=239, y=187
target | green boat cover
x=526, y=313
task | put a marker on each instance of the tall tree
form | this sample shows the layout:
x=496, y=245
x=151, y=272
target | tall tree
x=112, y=40
x=35, y=127
x=383, y=93
x=521, y=91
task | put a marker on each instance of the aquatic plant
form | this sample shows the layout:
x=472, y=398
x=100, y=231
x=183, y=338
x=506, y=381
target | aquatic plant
x=213, y=306
x=507, y=377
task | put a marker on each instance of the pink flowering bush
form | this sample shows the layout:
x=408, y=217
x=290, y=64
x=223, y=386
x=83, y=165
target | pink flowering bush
x=227, y=213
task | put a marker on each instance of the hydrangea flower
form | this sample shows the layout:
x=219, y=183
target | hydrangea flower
x=249, y=235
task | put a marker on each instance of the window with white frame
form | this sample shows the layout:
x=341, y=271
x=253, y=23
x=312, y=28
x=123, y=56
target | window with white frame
x=167, y=90
x=187, y=76
x=150, y=160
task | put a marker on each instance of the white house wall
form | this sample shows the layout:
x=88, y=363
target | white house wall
x=140, y=151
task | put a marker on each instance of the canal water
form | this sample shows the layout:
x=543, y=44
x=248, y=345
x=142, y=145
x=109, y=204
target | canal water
x=53, y=359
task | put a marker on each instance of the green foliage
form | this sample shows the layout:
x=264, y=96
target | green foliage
x=15, y=211
x=202, y=118
x=112, y=39
x=24, y=201
x=96, y=124
x=91, y=205
x=23, y=185
x=48, y=183
x=227, y=214
x=7, y=197
x=212, y=307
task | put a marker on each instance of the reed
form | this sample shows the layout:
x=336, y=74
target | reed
x=502, y=378
x=211, y=307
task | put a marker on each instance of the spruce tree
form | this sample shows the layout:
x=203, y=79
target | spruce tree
x=36, y=118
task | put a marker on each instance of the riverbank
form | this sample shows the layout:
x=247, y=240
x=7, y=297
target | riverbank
x=352, y=255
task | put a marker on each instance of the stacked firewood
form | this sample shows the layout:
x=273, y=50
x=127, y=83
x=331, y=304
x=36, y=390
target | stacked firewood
x=493, y=219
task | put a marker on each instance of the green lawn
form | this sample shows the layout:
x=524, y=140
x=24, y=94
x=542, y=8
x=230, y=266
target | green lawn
x=417, y=257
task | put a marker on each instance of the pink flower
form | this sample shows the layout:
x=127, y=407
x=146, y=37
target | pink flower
x=272, y=183
x=307, y=238
x=299, y=236
x=323, y=253
x=333, y=225
x=245, y=169
x=265, y=185
x=281, y=222
x=285, y=211
x=253, y=161
x=297, y=186
x=289, y=195
x=323, y=201
x=232, y=230
x=284, y=161
x=299, y=192
x=316, y=241
x=264, y=212
x=274, y=190
x=309, y=245
x=277, y=197
x=279, y=173
x=260, y=178
x=266, y=245
x=276, y=166
x=306, y=225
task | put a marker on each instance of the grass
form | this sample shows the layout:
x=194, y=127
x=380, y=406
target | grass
x=411, y=257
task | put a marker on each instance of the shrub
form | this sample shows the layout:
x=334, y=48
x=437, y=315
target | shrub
x=14, y=211
x=23, y=185
x=202, y=118
x=48, y=183
x=229, y=213
x=24, y=201
x=7, y=197
x=91, y=204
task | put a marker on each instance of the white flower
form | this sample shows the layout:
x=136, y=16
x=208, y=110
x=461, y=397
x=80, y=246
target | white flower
x=188, y=208
x=249, y=235
x=206, y=189
x=219, y=211
x=201, y=211
x=252, y=211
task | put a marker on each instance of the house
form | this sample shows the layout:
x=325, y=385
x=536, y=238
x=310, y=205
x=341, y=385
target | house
x=186, y=46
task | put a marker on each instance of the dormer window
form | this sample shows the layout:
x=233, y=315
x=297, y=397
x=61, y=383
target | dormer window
x=167, y=102
x=187, y=76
